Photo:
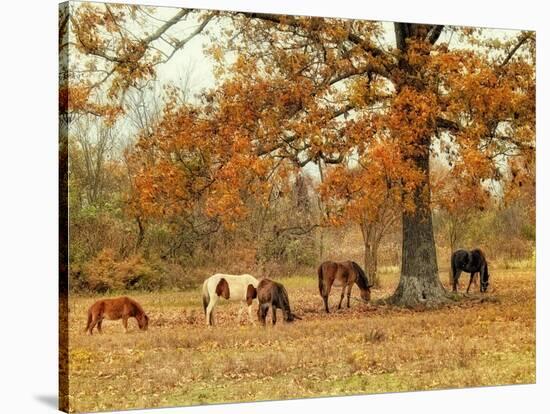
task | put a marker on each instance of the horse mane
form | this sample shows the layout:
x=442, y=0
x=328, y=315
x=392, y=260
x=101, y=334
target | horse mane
x=484, y=276
x=362, y=279
x=481, y=254
x=137, y=305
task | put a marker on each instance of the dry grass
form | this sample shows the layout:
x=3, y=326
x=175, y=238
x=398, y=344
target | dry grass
x=365, y=349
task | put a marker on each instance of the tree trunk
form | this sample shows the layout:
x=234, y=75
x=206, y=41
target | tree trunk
x=453, y=237
x=321, y=214
x=371, y=263
x=141, y=233
x=370, y=242
x=419, y=284
x=321, y=245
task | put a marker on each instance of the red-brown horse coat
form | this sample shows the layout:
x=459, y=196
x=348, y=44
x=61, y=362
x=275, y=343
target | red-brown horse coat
x=114, y=309
x=222, y=289
x=251, y=294
x=343, y=274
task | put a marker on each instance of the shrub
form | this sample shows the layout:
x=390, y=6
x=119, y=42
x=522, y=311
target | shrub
x=104, y=273
x=290, y=250
x=99, y=272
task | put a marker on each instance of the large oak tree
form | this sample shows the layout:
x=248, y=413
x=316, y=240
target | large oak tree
x=299, y=90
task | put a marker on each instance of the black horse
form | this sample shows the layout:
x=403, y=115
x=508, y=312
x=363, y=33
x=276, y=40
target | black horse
x=472, y=262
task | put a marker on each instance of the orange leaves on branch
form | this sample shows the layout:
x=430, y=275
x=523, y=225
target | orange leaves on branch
x=76, y=99
x=202, y=159
x=363, y=193
x=411, y=119
x=457, y=194
x=305, y=90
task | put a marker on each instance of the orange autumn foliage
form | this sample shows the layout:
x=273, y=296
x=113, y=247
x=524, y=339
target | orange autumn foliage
x=293, y=90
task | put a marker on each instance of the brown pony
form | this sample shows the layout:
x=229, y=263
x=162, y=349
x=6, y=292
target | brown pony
x=343, y=274
x=114, y=309
x=273, y=295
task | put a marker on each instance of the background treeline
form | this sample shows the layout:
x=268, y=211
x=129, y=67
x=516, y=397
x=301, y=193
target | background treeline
x=318, y=139
x=113, y=247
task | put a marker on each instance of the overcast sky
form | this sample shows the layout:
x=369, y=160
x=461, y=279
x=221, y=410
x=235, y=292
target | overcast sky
x=191, y=59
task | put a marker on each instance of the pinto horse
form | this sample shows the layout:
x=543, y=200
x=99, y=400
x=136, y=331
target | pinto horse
x=472, y=262
x=114, y=309
x=343, y=274
x=273, y=295
x=229, y=287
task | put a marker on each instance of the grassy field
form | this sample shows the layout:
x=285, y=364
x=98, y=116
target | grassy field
x=365, y=349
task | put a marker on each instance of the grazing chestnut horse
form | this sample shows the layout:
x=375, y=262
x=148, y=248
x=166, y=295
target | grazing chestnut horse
x=343, y=274
x=473, y=261
x=229, y=287
x=114, y=309
x=273, y=295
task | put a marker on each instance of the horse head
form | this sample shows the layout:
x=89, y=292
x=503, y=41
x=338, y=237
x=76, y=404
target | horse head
x=291, y=317
x=484, y=281
x=365, y=293
x=143, y=321
x=484, y=274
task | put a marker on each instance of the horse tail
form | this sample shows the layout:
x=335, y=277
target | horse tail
x=205, y=296
x=89, y=320
x=362, y=279
x=285, y=302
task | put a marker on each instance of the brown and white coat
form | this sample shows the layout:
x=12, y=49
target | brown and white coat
x=230, y=287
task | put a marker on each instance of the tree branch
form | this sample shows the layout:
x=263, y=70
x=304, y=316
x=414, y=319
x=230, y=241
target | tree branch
x=183, y=42
x=447, y=124
x=288, y=140
x=512, y=52
x=434, y=33
x=401, y=35
x=162, y=29
x=292, y=22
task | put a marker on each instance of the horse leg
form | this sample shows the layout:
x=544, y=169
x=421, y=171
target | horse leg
x=125, y=323
x=325, y=297
x=262, y=313
x=265, y=309
x=210, y=311
x=250, y=318
x=342, y=297
x=92, y=325
x=239, y=315
x=456, y=275
x=99, y=326
x=325, y=301
x=273, y=314
x=470, y=284
x=349, y=293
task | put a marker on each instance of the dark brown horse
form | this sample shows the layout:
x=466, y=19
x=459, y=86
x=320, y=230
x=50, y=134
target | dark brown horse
x=473, y=262
x=114, y=309
x=273, y=295
x=343, y=274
